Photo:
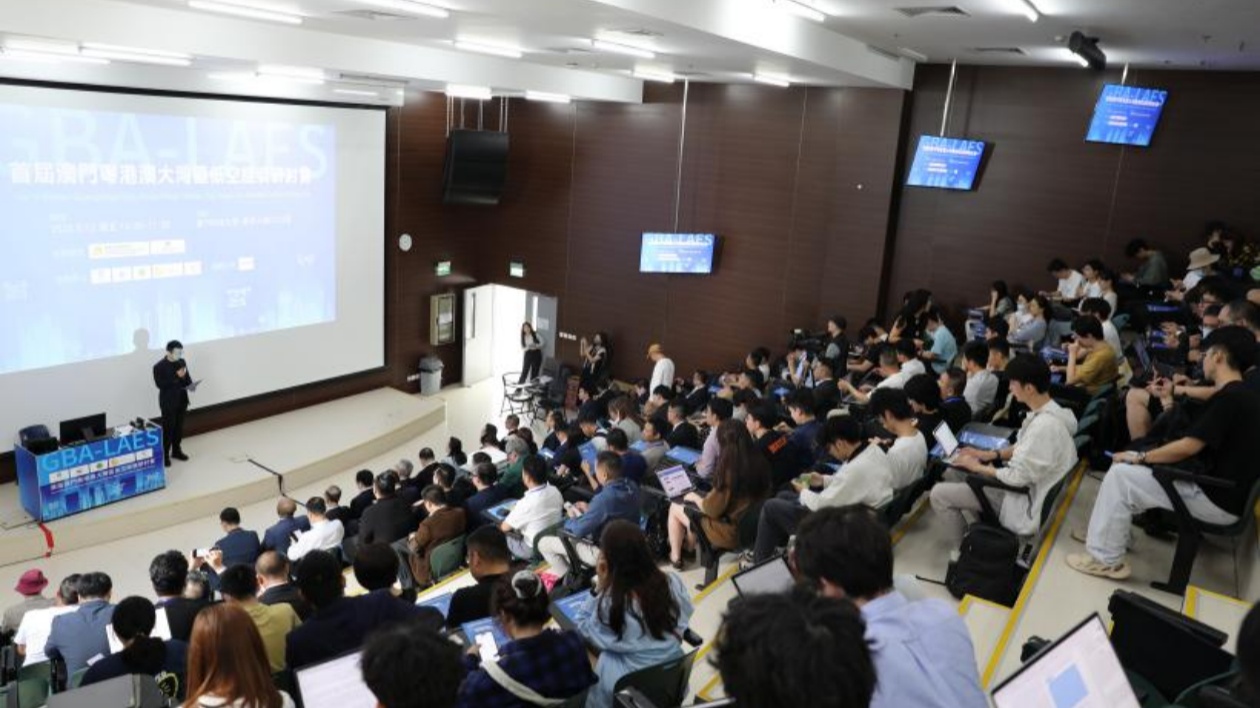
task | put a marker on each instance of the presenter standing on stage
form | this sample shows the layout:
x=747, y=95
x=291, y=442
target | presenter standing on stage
x=172, y=379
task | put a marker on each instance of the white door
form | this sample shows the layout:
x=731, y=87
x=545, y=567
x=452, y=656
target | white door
x=541, y=311
x=478, y=334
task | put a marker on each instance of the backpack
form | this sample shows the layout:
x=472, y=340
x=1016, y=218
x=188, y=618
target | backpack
x=986, y=566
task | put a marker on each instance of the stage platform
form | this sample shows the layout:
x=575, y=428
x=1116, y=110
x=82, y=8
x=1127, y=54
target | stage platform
x=302, y=446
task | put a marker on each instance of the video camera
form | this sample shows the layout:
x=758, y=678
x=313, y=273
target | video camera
x=812, y=343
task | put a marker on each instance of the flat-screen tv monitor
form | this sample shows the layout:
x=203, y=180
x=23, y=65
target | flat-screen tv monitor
x=678, y=253
x=88, y=428
x=1126, y=115
x=946, y=163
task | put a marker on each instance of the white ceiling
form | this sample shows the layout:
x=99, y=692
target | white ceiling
x=707, y=40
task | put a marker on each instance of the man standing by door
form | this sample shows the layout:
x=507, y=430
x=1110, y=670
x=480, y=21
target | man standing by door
x=171, y=377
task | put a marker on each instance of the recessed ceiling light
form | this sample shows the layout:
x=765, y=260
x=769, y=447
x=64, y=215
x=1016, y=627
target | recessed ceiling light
x=130, y=54
x=618, y=48
x=356, y=92
x=801, y=9
x=547, y=97
x=509, y=52
x=415, y=8
x=479, y=93
x=41, y=46
x=660, y=76
x=242, y=9
x=232, y=76
x=1030, y=10
x=50, y=57
x=780, y=81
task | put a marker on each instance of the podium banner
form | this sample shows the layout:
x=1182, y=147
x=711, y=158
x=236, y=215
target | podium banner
x=75, y=479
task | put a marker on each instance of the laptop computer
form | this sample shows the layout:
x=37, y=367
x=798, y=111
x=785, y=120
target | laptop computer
x=675, y=482
x=684, y=455
x=499, y=512
x=441, y=603
x=770, y=577
x=336, y=683
x=947, y=440
x=1080, y=670
x=569, y=611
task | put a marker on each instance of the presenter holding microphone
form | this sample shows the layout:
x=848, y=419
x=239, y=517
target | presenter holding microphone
x=173, y=382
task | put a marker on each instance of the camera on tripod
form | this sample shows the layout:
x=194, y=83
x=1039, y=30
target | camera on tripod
x=812, y=343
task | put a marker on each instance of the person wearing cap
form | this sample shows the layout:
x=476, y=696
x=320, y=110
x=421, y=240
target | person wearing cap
x=171, y=377
x=662, y=370
x=1201, y=260
x=31, y=587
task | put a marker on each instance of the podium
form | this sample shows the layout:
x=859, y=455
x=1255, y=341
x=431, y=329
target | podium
x=126, y=462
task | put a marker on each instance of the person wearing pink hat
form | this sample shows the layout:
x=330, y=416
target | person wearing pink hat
x=31, y=587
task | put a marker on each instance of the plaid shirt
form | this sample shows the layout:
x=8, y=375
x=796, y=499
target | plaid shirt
x=555, y=664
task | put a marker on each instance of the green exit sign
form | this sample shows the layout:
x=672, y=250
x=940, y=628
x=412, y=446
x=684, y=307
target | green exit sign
x=516, y=269
x=442, y=268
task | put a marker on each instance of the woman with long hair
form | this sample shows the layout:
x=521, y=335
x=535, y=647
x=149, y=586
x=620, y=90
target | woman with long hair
x=1000, y=302
x=520, y=604
x=455, y=455
x=531, y=347
x=142, y=654
x=622, y=413
x=637, y=616
x=741, y=478
x=227, y=664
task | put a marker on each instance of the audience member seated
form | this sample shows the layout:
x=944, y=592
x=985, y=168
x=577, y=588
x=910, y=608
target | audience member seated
x=272, y=570
x=389, y=519
x=1000, y=302
x=740, y=481
x=489, y=494
x=633, y=466
x=517, y=450
x=794, y=649
x=922, y=650
x=1031, y=332
x=621, y=412
x=593, y=433
x=339, y=624
x=488, y=560
x=239, y=586
x=638, y=614
x=238, y=545
x=540, y=508
x=907, y=455
x=324, y=534
x=410, y=665
x=457, y=487
x=981, y=389
x=741, y=402
x=826, y=390
x=1099, y=309
x=590, y=403
x=803, y=438
x=428, y=466
x=169, y=574
x=455, y=455
x=31, y=587
x=682, y=433
x=1223, y=439
x=897, y=362
x=133, y=622
x=657, y=402
x=1153, y=269
x=443, y=523
x=408, y=490
x=376, y=568
x=1071, y=285
x=697, y=394
x=227, y=663
x=873, y=347
x=653, y=446
x=717, y=410
x=865, y=478
x=954, y=407
x=924, y=394
x=785, y=463
x=79, y=636
x=1042, y=455
x=278, y=537
x=944, y=346
x=616, y=497
x=554, y=422
x=537, y=662
x=32, y=633
x=333, y=510
x=364, y=480
x=1091, y=361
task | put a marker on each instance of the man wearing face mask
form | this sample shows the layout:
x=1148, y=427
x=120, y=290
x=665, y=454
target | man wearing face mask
x=171, y=377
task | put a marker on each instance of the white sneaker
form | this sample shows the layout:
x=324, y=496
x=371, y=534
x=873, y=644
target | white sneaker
x=1089, y=565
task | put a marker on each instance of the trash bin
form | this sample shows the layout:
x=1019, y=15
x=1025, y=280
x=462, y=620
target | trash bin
x=430, y=375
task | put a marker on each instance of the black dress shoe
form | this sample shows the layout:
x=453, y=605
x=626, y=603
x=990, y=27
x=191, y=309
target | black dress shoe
x=168, y=462
x=179, y=455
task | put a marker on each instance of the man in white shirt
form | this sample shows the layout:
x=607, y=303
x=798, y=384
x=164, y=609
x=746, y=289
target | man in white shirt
x=662, y=370
x=907, y=457
x=909, y=366
x=32, y=633
x=1042, y=455
x=865, y=478
x=325, y=534
x=982, y=385
x=1071, y=285
x=541, y=507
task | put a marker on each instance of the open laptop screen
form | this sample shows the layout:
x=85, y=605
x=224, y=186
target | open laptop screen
x=674, y=481
x=685, y=455
x=772, y=576
x=334, y=684
x=945, y=437
x=1079, y=670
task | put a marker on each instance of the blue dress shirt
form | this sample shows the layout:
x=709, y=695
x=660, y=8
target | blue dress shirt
x=922, y=654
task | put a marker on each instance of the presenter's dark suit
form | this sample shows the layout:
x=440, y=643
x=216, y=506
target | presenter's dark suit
x=173, y=401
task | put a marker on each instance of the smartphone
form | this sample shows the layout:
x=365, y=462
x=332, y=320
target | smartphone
x=1109, y=454
x=201, y=552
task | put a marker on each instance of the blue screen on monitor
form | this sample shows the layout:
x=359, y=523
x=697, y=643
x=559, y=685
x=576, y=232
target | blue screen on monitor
x=945, y=163
x=1126, y=115
x=677, y=253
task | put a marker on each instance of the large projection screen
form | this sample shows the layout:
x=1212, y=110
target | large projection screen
x=252, y=232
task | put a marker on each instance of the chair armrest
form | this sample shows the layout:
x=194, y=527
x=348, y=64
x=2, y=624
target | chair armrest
x=979, y=480
x=1163, y=472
